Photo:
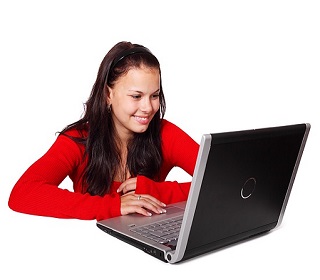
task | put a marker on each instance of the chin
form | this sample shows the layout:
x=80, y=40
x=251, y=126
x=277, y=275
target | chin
x=140, y=128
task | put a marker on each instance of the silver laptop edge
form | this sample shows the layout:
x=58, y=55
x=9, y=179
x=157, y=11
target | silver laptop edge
x=303, y=143
x=177, y=255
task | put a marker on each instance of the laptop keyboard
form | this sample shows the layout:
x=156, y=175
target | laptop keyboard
x=163, y=231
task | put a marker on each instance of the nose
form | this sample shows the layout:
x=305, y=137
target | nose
x=146, y=105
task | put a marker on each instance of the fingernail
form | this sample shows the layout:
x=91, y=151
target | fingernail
x=164, y=205
x=164, y=210
x=149, y=214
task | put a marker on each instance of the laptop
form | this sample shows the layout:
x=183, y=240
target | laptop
x=240, y=188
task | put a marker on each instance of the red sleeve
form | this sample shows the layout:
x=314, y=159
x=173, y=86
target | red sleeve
x=179, y=150
x=37, y=191
x=167, y=192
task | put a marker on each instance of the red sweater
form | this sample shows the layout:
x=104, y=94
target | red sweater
x=37, y=191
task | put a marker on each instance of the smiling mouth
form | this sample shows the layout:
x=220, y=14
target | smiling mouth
x=142, y=120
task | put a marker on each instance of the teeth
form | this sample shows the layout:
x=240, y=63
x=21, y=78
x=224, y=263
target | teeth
x=142, y=119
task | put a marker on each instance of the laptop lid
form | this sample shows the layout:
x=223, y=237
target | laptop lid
x=240, y=188
x=245, y=187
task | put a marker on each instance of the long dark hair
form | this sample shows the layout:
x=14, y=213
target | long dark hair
x=102, y=153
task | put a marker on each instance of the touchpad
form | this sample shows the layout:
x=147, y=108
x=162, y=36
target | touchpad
x=174, y=210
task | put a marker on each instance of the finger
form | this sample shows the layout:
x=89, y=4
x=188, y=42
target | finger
x=146, y=197
x=130, y=204
x=153, y=200
x=135, y=209
x=128, y=185
x=143, y=204
x=150, y=203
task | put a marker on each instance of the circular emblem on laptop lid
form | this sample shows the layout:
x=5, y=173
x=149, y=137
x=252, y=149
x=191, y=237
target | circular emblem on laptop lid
x=248, y=188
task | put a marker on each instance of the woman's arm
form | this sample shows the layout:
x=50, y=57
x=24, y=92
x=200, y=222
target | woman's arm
x=37, y=191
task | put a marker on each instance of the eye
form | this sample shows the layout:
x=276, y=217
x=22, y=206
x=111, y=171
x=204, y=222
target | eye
x=155, y=96
x=136, y=96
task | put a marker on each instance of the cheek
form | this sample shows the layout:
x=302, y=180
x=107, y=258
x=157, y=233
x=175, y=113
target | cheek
x=156, y=105
x=124, y=110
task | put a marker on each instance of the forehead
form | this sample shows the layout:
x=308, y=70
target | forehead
x=142, y=75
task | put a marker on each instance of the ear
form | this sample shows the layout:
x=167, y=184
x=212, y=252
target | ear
x=109, y=95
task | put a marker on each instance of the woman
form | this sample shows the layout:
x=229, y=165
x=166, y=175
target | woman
x=118, y=154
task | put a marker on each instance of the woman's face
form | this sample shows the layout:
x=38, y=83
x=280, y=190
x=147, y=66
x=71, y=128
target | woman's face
x=134, y=100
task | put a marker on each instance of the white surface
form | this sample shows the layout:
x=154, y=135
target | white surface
x=227, y=65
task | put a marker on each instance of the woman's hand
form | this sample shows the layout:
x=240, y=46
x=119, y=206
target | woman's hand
x=135, y=203
x=128, y=185
x=142, y=204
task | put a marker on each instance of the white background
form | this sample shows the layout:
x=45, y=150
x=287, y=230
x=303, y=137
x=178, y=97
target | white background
x=227, y=65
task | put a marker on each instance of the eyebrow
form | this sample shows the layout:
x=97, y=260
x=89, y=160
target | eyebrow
x=141, y=92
